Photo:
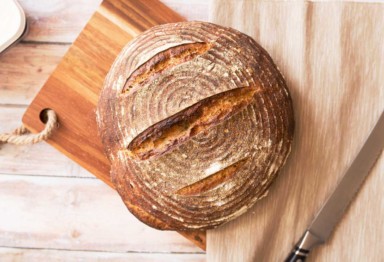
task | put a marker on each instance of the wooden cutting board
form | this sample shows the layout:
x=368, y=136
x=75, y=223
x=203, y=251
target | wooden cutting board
x=332, y=56
x=73, y=88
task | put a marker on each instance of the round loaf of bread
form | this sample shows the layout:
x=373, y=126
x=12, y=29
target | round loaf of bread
x=196, y=120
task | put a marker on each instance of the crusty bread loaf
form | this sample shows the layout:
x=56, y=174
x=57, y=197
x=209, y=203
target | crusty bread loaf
x=196, y=120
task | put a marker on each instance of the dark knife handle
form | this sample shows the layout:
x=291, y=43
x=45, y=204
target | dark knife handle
x=303, y=247
x=297, y=255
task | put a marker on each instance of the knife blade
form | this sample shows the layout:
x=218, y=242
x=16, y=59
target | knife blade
x=333, y=209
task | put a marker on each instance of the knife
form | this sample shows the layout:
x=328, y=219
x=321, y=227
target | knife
x=332, y=211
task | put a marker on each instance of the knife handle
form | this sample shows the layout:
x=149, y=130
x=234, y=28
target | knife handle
x=303, y=247
x=297, y=255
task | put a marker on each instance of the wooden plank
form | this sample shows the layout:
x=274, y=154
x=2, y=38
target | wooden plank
x=39, y=159
x=333, y=68
x=63, y=20
x=37, y=255
x=75, y=214
x=24, y=69
x=57, y=20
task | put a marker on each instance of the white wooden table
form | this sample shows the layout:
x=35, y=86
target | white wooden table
x=51, y=209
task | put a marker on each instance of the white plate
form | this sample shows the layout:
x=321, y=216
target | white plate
x=12, y=23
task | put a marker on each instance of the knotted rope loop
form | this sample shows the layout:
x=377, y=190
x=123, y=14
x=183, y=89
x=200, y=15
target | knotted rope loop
x=22, y=136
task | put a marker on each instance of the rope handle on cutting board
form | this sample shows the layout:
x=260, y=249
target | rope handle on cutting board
x=22, y=136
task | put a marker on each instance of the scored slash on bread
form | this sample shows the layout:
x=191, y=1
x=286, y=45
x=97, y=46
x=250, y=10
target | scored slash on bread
x=197, y=121
x=171, y=132
x=163, y=60
x=212, y=181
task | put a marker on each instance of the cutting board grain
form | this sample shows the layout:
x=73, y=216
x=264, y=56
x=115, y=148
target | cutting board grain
x=73, y=88
x=332, y=56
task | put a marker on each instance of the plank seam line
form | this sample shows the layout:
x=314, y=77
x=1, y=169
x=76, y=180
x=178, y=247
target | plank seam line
x=47, y=176
x=103, y=251
x=44, y=42
x=24, y=106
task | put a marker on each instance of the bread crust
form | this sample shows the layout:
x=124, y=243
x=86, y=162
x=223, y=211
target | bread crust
x=197, y=121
